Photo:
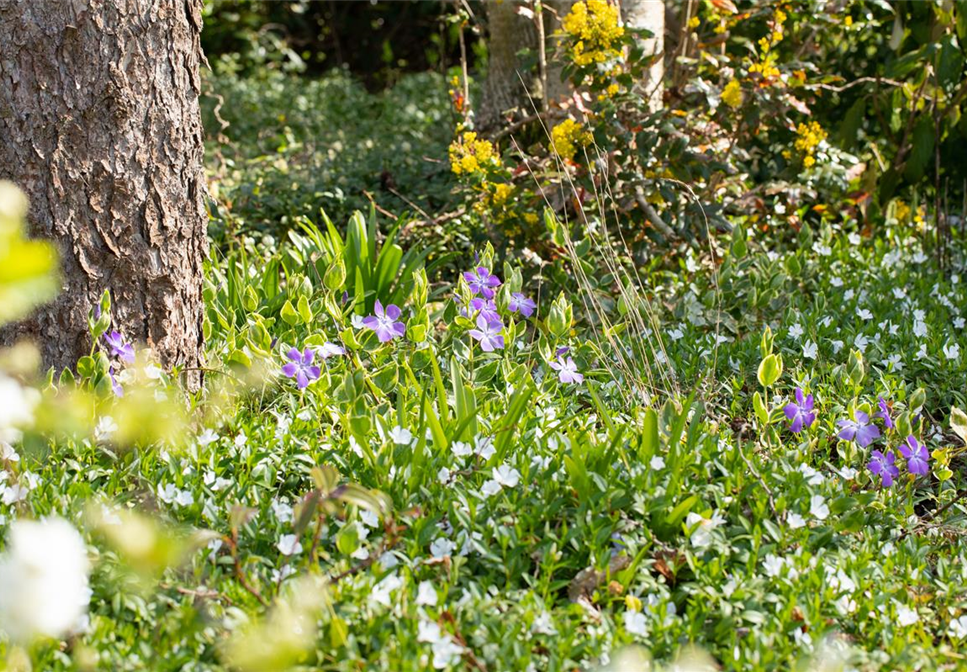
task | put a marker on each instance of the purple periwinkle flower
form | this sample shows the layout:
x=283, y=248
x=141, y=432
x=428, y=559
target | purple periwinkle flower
x=859, y=430
x=884, y=466
x=300, y=367
x=384, y=323
x=115, y=385
x=486, y=308
x=521, y=304
x=916, y=455
x=329, y=349
x=120, y=349
x=567, y=370
x=884, y=413
x=563, y=350
x=800, y=413
x=488, y=333
x=482, y=281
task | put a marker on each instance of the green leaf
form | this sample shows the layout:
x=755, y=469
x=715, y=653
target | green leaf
x=290, y=315
x=761, y=411
x=958, y=423
x=921, y=151
x=770, y=369
x=304, y=310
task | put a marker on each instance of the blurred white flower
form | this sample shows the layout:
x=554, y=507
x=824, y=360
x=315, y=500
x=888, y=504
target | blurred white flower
x=381, y=591
x=207, y=437
x=485, y=448
x=369, y=518
x=426, y=594
x=401, y=436
x=442, y=547
x=951, y=351
x=636, y=623
x=905, y=615
x=657, y=462
x=16, y=408
x=11, y=494
x=105, y=429
x=818, y=508
x=958, y=628
x=7, y=453
x=795, y=521
x=772, y=565
x=490, y=488
x=282, y=510
x=43, y=580
x=289, y=544
x=543, y=624
x=170, y=494
x=810, y=349
x=702, y=535
x=506, y=476
x=461, y=449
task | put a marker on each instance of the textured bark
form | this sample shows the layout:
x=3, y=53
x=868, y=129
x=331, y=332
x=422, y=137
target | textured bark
x=101, y=127
x=649, y=15
x=504, y=89
x=557, y=87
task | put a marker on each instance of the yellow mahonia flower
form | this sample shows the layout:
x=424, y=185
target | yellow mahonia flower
x=808, y=138
x=530, y=218
x=764, y=45
x=502, y=193
x=694, y=22
x=766, y=67
x=780, y=16
x=594, y=26
x=469, y=155
x=567, y=137
x=902, y=211
x=848, y=21
x=732, y=94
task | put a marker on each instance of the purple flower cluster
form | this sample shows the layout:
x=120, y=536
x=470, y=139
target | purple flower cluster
x=490, y=327
x=118, y=347
x=863, y=432
x=883, y=464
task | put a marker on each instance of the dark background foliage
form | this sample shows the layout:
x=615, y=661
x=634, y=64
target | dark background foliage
x=376, y=41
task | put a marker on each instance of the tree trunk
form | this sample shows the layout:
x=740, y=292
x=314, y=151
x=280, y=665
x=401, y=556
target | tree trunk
x=649, y=15
x=557, y=87
x=100, y=125
x=509, y=85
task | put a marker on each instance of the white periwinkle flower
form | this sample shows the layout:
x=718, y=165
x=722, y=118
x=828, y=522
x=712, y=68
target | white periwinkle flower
x=16, y=408
x=289, y=544
x=43, y=580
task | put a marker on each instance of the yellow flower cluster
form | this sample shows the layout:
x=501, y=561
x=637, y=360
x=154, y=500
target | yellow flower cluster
x=766, y=67
x=567, y=136
x=767, y=64
x=732, y=94
x=593, y=24
x=468, y=155
x=496, y=200
x=809, y=137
